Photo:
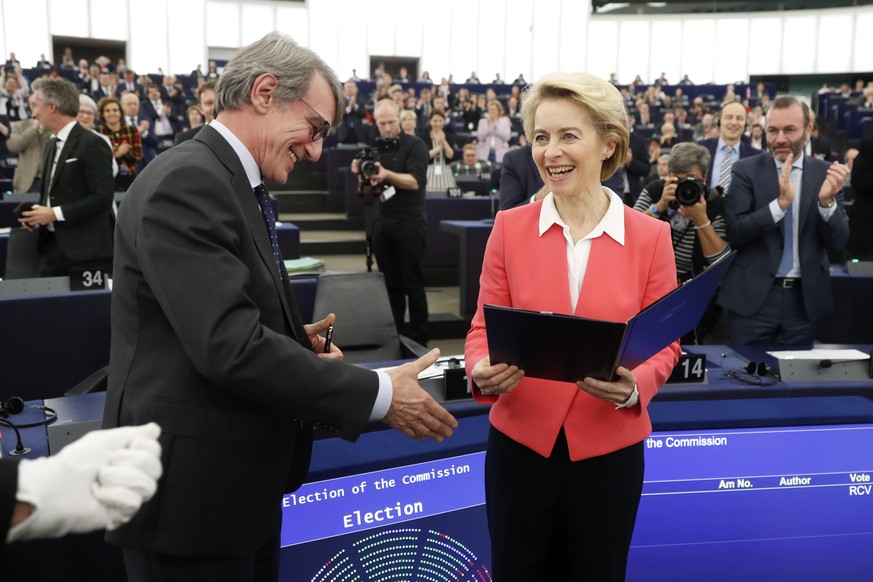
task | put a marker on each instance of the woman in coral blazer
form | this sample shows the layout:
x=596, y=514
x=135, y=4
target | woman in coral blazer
x=564, y=464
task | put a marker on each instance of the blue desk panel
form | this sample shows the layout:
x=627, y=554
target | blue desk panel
x=718, y=503
x=52, y=342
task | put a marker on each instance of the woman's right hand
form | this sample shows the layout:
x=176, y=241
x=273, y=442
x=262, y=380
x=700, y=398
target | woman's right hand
x=496, y=379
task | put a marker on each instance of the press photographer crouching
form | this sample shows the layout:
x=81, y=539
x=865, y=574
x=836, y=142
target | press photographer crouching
x=696, y=216
x=393, y=179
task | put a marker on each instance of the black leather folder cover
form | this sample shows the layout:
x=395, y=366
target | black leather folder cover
x=568, y=348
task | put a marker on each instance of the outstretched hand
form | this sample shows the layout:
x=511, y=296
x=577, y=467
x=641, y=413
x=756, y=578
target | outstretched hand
x=413, y=412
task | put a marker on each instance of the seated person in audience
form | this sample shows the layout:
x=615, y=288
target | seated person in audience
x=13, y=98
x=520, y=179
x=472, y=78
x=820, y=145
x=728, y=146
x=470, y=166
x=668, y=137
x=681, y=116
x=680, y=99
x=439, y=104
x=205, y=107
x=704, y=128
x=860, y=244
x=27, y=141
x=126, y=141
x=659, y=169
x=644, y=117
x=471, y=113
x=195, y=118
x=698, y=110
x=87, y=118
x=757, y=139
x=698, y=230
x=408, y=122
x=441, y=151
x=493, y=133
x=130, y=105
x=402, y=76
x=351, y=129
x=867, y=101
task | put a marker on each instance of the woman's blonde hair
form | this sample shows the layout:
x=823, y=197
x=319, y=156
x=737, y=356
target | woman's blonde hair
x=601, y=100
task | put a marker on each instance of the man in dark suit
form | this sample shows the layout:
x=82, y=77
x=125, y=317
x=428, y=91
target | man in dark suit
x=75, y=210
x=352, y=129
x=783, y=215
x=519, y=179
x=206, y=105
x=860, y=245
x=130, y=105
x=207, y=340
x=129, y=84
x=729, y=146
x=106, y=87
x=628, y=180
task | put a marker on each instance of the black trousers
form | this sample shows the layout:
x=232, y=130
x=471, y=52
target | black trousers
x=261, y=565
x=54, y=263
x=555, y=519
x=399, y=249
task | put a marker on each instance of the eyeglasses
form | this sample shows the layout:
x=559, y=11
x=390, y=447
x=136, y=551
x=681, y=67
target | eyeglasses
x=86, y=113
x=318, y=132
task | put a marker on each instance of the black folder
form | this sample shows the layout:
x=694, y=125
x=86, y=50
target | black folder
x=569, y=348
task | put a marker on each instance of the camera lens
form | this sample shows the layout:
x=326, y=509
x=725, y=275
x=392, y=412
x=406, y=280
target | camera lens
x=689, y=191
x=369, y=168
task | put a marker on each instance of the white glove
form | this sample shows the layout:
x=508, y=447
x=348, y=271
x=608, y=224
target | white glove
x=96, y=482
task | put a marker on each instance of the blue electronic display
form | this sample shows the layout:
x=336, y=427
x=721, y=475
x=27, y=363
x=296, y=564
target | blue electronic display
x=787, y=503
x=753, y=504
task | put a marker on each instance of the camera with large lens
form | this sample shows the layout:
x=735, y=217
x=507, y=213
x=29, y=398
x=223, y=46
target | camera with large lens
x=689, y=191
x=368, y=160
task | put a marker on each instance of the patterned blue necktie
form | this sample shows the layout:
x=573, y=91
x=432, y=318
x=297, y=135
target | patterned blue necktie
x=270, y=221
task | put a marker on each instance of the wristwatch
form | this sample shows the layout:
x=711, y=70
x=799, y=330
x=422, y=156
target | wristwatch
x=654, y=210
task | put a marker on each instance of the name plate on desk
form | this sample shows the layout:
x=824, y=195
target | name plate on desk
x=690, y=369
x=88, y=279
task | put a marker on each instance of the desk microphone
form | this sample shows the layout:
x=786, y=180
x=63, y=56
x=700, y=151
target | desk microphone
x=827, y=363
x=19, y=449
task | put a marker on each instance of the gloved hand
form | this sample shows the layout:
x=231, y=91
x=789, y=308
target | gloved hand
x=96, y=482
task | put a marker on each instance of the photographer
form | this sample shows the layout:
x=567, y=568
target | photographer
x=696, y=217
x=396, y=182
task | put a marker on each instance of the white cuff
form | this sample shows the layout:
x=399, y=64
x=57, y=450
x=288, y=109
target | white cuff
x=631, y=401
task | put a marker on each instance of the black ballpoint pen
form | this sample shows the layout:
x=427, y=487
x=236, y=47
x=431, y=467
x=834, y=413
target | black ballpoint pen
x=328, y=336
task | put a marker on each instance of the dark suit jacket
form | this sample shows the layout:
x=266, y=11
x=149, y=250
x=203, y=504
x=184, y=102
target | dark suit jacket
x=746, y=151
x=207, y=342
x=354, y=122
x=519, y=178
x=84, y=188
x=860, y=243
x=759, y=242
x=638, y=169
